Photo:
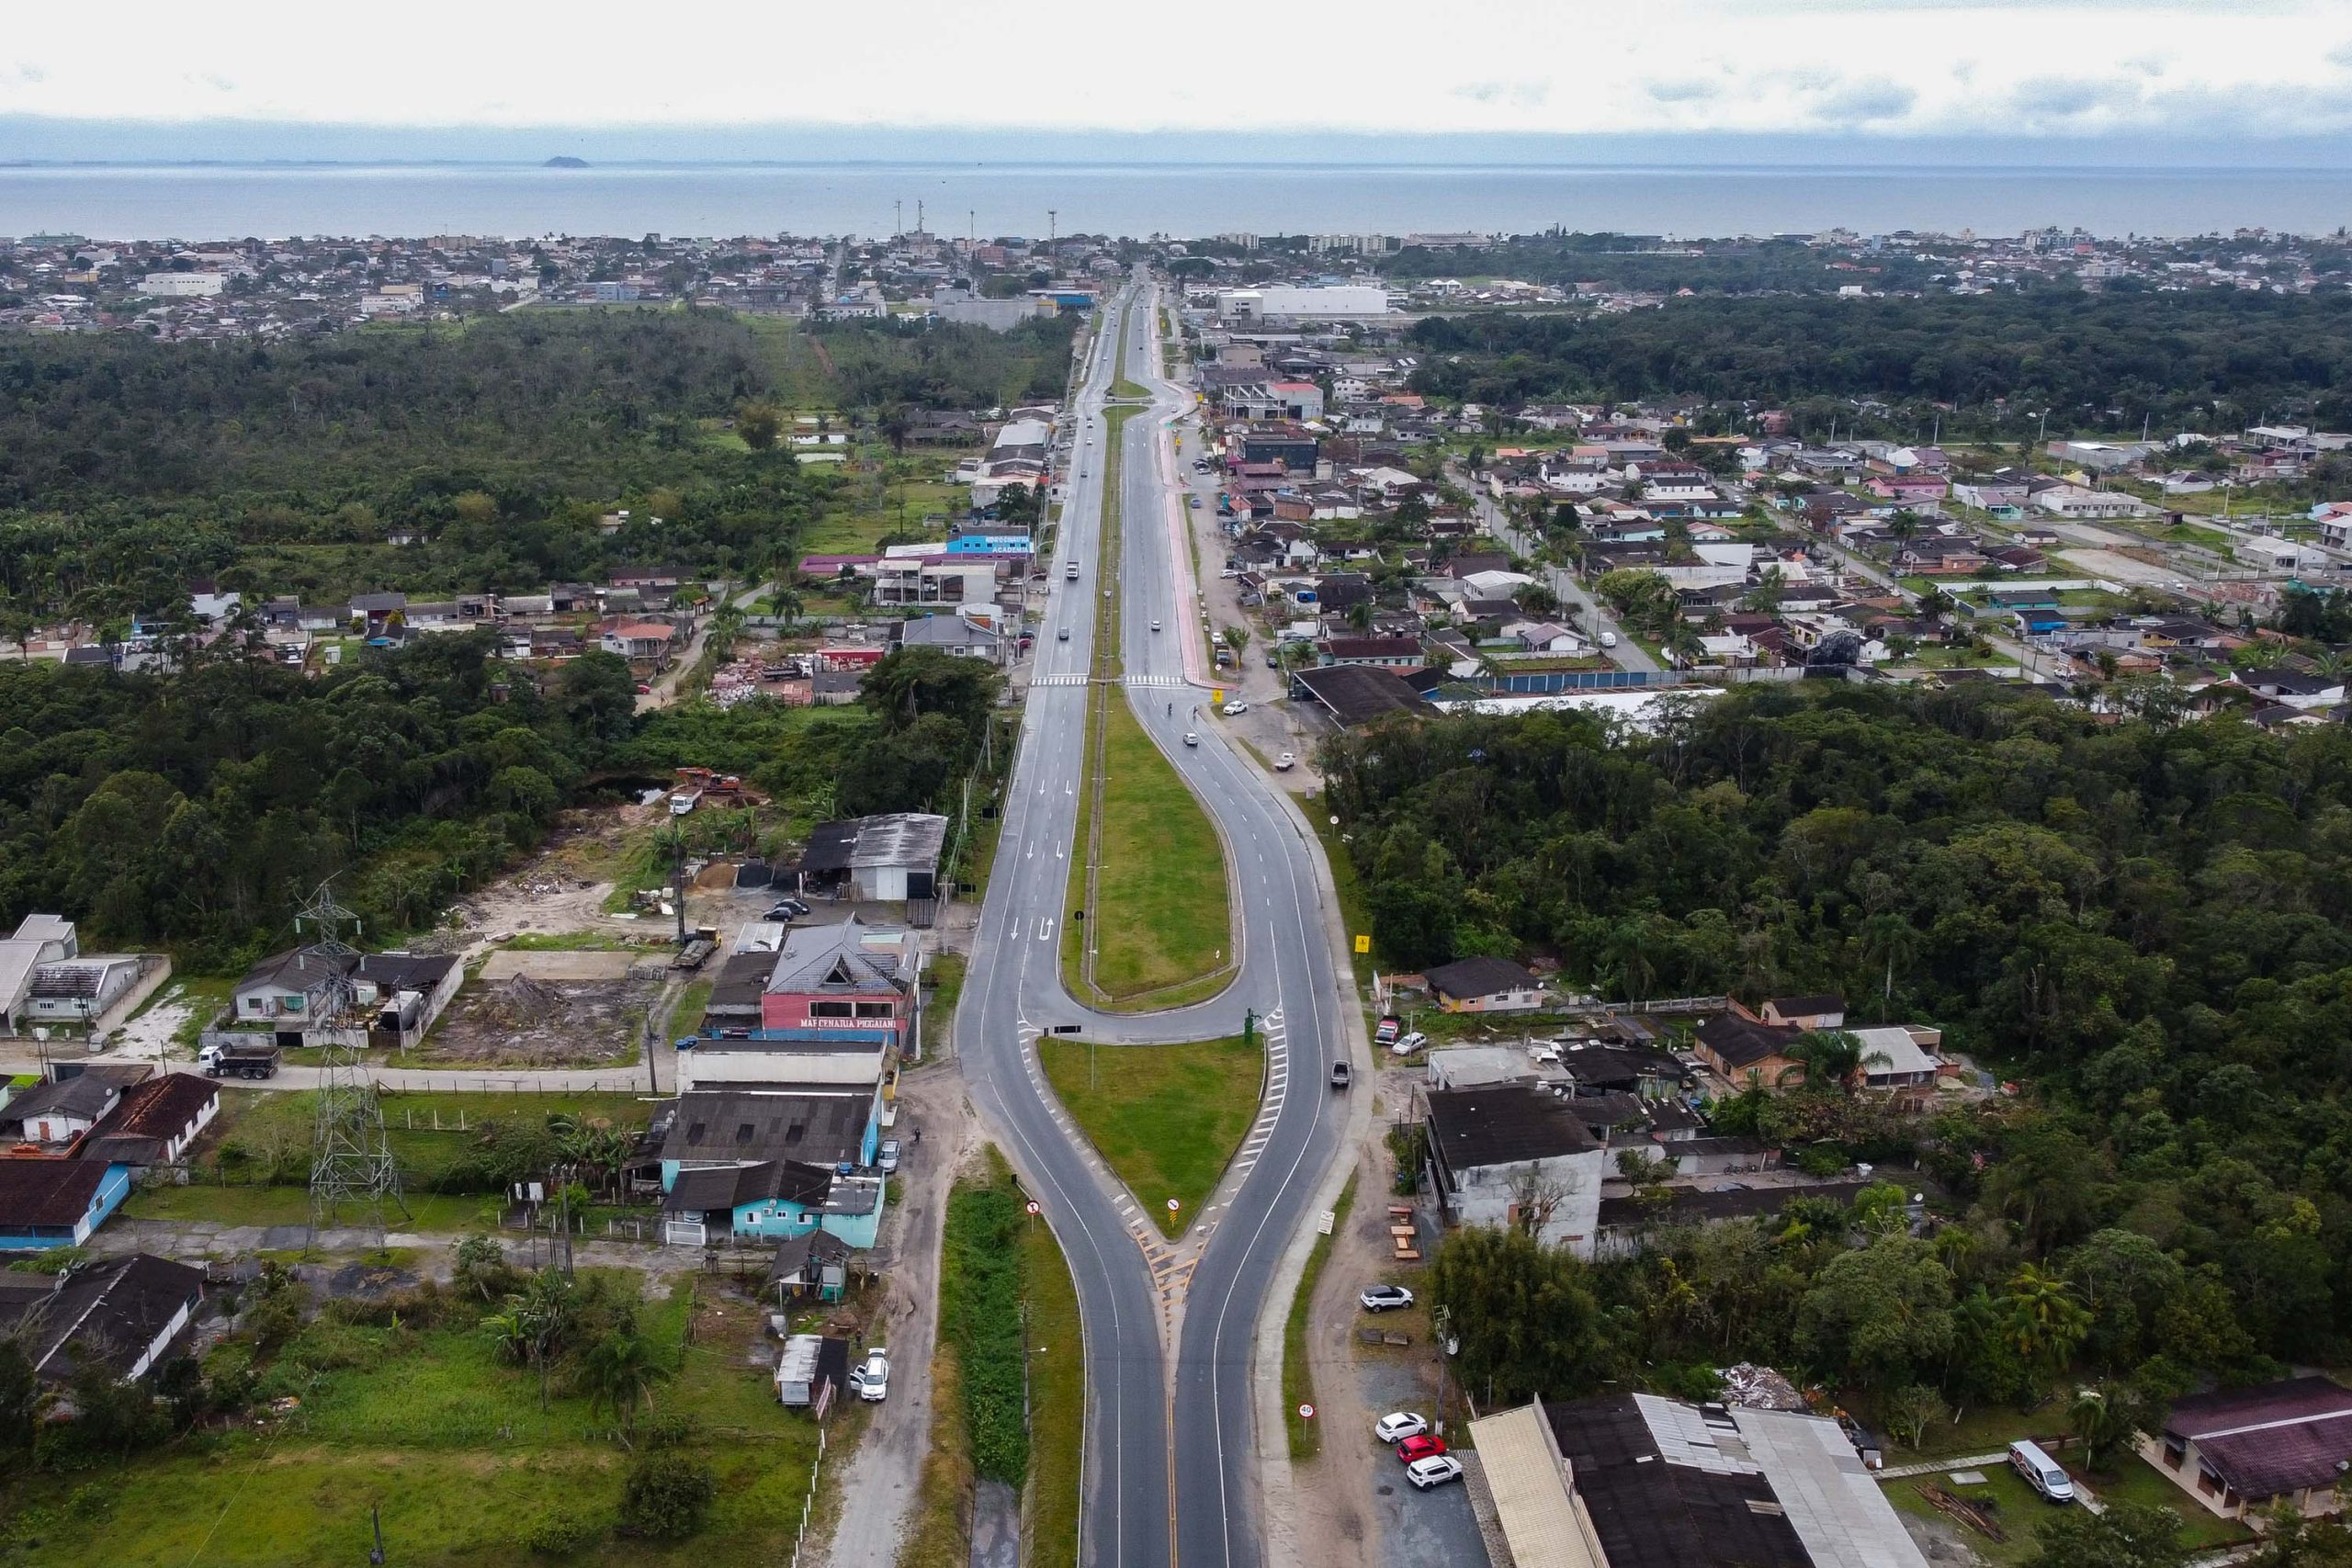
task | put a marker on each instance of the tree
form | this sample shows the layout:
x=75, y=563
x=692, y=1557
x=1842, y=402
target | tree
x=2128, y=1535
x=1878, y=1316
x=1825, y=1060
x=2290, y=1540
x=618, y=1373
x=759, y=423
x=1524, y=1313
x=1238, y=639
x=665, y=1496
x=1911, y=1410
x=2106, y=1418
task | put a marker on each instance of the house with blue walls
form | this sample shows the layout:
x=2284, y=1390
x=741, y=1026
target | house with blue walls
x=771, y=1163
x=47, y=1202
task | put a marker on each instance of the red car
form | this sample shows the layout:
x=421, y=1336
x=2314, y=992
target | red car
x=1422, y=1447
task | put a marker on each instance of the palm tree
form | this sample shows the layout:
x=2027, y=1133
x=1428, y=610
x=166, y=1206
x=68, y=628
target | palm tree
x=619, y=1372
x=2046, y=1319
x=1680, y=644
x=1824, y=1058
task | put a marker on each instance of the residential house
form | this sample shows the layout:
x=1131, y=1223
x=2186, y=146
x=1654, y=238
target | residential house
x=2296, y=688
x=1744, y=1052
x=290, y=991
x=1515, y=1154
x=1899, y=1055
x=850, y=975
x=646, y=644
x=1824, y=1012
x=119, y=1313
x=55, y=1115
x=154, y=1120
x=57, y=1202
x=404, y=994
x=813, y=1265
x=2240, y=1451
x=1484, y=985
x=2081, y=503
x=1351, y=694
x=1376, y=652
x=784, y=1198
x=1938, y=555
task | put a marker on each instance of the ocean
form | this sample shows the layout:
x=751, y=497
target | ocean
x=215, y=201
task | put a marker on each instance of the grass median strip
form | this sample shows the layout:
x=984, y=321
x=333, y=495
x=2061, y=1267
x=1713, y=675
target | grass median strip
x=1162, y=916
x=1057, y=1398
x=1298, y=1374
x=1168, y=1118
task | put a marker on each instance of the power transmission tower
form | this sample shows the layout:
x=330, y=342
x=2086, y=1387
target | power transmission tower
x=351, y=1156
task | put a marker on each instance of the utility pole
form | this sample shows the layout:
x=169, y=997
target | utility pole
x=898, y=218
x=1052, y=217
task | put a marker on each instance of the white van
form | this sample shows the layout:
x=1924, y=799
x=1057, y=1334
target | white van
x=2040, y=1472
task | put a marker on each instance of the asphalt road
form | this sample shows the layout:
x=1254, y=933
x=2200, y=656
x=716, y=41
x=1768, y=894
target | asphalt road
x=1628, y=654
x=1173, y=1450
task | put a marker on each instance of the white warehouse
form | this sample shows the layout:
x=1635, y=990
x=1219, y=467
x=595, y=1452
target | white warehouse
x=1286, y=303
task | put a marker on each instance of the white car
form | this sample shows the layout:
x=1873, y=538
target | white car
x=1399, y=1426
x=1235, y=708
x=870, y=1379
x=1410, y=1043
x=1287, y=762
x=1385, y=1298
x=1608, y=639
x=1192, y=737
x=1434, y=1471
x=1155, y=625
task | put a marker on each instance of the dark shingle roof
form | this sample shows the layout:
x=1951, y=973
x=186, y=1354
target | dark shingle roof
x=743, y=1124
x=1467, y=977
x=47, y=1192
x=2280, y=1437
x=1743, y=1042
x=113, y=1311
x=1498, y=1123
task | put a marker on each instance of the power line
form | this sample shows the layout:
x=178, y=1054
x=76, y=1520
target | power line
x=351, y=1154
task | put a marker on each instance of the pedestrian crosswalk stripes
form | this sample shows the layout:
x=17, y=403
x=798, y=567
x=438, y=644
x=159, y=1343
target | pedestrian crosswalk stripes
x=1156, y=680
x=1057, y=679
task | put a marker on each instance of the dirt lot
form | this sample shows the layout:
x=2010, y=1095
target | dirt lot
x=521, y=1022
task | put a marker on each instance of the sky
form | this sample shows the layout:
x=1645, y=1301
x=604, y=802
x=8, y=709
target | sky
x=2216, y=71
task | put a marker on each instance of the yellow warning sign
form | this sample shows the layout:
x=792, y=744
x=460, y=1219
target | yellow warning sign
x=1364, y=945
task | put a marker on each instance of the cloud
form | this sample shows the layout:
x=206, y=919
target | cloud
x=1866, y=101
x=1684, y=91
x=1520, y=94
x=2067, y=98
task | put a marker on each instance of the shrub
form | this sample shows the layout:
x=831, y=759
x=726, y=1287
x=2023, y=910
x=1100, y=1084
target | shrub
x=562, y=1535
x=979, y=1309
x=665, y=1496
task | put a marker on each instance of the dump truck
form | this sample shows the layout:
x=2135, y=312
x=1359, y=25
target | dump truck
x=240, y=1061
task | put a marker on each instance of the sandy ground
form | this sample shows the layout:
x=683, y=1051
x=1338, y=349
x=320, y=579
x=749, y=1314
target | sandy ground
x=2122, y=569
x=530, y=1022
x=878, y=1486
x=148, y=1037
x=551, y=966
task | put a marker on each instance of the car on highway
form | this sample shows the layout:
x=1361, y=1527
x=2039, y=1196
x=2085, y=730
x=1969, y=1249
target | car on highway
x=1385, y=1298
x=885, y=1158
x=1063, y=634
x=1191, y=739
x=1342, y=1074
x=870, y=1379
x=1155, y=625
x=1421, y=1447
x=1397, y=1426
x=1608, y=639
x=1235, y=708
x=1287, y=762
x=1070, y=572
x=1434, y=1471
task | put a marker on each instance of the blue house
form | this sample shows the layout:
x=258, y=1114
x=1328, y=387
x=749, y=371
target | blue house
x=57, y=1202
x=781, y=1199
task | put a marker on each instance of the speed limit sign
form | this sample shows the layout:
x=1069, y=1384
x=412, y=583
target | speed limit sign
x=1034, y=1209
x=1307, y=1413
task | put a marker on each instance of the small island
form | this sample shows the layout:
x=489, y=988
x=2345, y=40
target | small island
x=565, y=162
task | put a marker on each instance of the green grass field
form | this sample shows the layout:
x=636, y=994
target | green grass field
x=1298, y=1377
x=1057, y=1400
x=201, y=1203
x=452, y=1445
x=1161, y=916
x=1167, y=1117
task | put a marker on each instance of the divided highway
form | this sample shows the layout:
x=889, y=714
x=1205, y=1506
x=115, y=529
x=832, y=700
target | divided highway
x=1173, y=1450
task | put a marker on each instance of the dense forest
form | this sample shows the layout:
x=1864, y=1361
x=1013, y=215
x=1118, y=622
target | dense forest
x=129, y=467
x=1632, y=262
x=2145, y=924
x=192, y=812
x=2206, y=360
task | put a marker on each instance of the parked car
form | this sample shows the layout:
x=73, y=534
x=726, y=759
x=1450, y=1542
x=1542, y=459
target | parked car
x=1287, y=762
x=787, y=910
x=1421, y=1447
x=1385, y=1298
x=870, y=1379
x=1397, y=1426
x=1387, y=1030
x=1194, y=502
x=1191, y=738
x=1434, y=1471
x=1235, y=708
x=1342, y=1074
x=1406, y=1044
x=2041, y=1473
x=885, y=1159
